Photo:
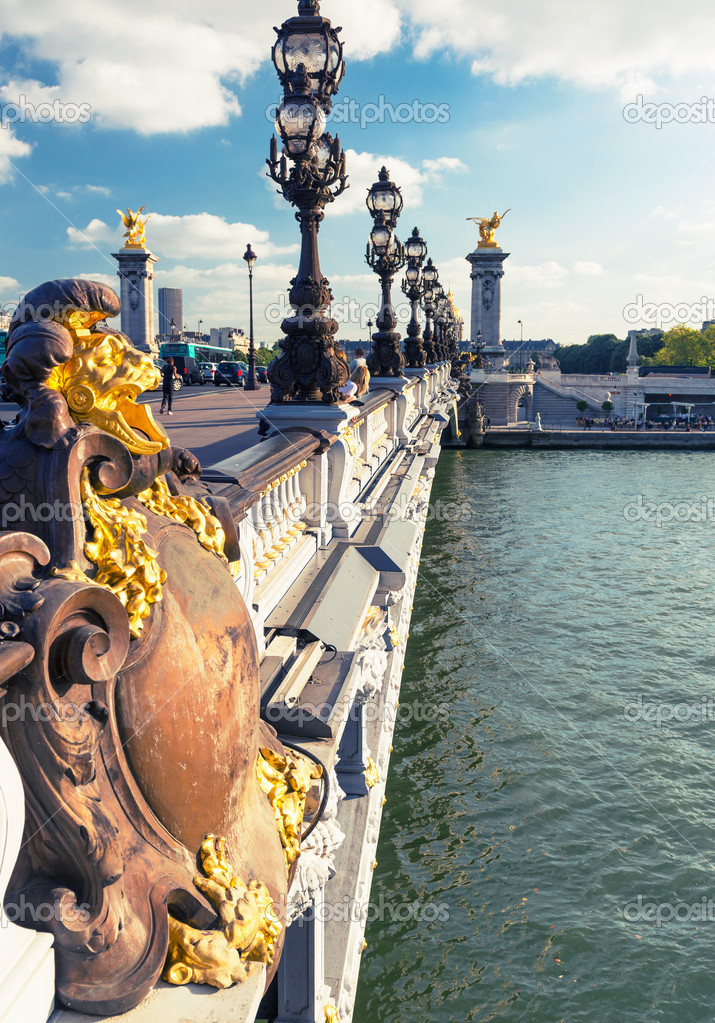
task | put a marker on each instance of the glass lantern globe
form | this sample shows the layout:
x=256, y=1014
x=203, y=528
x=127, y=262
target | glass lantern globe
x=385, y=198
x=430, y=272
x=412, y=273
x=300, y=122
x=381, y=238
x=415, y=247
x=310, y=41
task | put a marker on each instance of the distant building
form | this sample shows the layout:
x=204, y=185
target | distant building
x=171, y=307
x=520, y=352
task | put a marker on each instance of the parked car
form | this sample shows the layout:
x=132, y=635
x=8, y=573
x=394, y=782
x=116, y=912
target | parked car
x=230, y=373
x=209, y=370
x=188, y=369
x=262, y=374
x=178, y=383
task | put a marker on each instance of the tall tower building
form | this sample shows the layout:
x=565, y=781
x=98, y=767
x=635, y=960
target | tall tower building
x=171, y=307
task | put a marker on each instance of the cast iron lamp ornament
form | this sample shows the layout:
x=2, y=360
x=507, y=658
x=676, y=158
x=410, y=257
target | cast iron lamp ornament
x=251, y=381
x=416, y=251
x=311, y=173
x=386, y=256
x=429, y=278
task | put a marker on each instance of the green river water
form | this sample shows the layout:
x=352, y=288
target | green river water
x=548, y=845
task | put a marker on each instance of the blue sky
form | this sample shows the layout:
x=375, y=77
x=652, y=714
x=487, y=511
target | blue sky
x=602, y=210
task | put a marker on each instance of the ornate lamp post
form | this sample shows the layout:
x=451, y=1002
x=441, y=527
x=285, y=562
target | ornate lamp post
x=251, y=380
x=386, y=255
x=439, y=321
x=416, y=251
x=429, y=279
x=478, y=360
x=308, y=57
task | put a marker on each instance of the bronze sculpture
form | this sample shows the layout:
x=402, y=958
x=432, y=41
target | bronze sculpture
x=141, y=741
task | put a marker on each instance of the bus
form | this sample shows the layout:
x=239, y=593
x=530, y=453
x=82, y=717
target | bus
x=202, y=353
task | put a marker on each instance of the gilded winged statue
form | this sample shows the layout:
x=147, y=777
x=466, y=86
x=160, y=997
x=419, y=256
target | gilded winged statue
x=487, y=226
x=135, y=227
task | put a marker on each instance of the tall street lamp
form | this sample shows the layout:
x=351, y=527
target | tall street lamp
x=310, y=173
x=251, y=380
x=386, y=256
x=416, y=251
x=429, y=279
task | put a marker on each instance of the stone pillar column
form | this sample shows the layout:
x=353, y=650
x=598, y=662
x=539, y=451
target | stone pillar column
x=136, y=277
x=486, y=277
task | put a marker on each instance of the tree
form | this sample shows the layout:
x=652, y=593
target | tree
x=581, y=405
x=685, y=346
x=607, y=406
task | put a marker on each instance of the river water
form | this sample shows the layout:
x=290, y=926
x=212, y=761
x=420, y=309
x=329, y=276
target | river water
x=548, y=845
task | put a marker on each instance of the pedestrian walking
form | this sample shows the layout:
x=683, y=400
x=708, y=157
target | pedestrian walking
x=168, y=374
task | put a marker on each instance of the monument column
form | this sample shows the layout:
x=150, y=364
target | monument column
x=136, y=277
x=486, y=277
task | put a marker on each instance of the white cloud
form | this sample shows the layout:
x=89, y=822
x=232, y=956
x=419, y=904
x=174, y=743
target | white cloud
x=156, y=72
x=9, y=284
x=363, y=169
x=195, y=235
x=546, y=275
x=630, y=46
x=585, y=268
x=11, y=149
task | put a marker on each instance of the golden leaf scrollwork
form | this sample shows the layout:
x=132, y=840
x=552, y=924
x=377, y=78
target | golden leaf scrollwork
x=246, y=932
x=286, y=781
x=125, y=564
x=330, y=1012
x=372, y=774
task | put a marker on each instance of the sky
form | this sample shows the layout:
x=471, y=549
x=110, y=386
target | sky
x=594, y=124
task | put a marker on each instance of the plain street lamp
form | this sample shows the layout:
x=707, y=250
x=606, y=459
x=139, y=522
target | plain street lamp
x=251, y=380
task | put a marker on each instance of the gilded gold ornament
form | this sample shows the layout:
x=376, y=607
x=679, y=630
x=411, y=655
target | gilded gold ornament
x=286, y=781
x=246, y=931
x=372, y=775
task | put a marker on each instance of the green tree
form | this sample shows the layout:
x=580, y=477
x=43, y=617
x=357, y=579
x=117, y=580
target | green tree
x=581, y=405
x=685, y=346
x=607, y=406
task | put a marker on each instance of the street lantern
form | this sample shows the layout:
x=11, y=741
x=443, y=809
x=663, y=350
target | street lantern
x=416, y=251
x=251, y=380
x=385, y=199
x=310, y=172
x=386, y=255
x=309, y=41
